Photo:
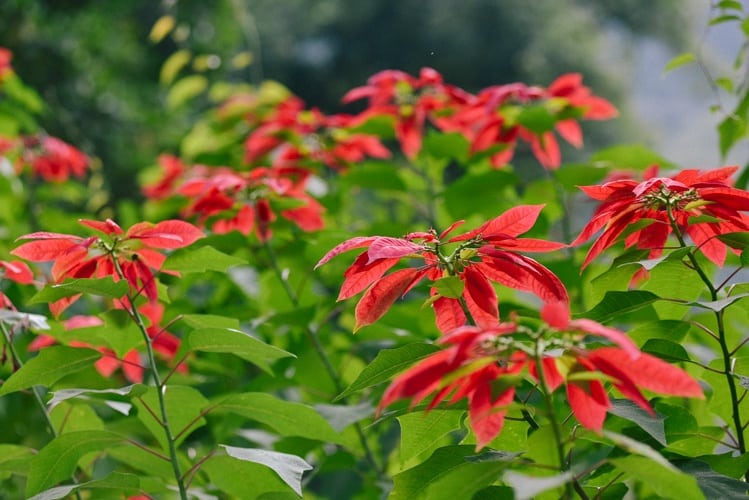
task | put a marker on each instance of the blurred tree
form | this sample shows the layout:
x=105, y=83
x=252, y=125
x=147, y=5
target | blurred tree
x=93, y=63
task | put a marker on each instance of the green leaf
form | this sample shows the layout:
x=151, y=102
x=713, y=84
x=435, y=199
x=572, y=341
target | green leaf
x=618, y=303
x=230, y=476
x=713, y=484
x=446, y=145
x=289, y=468
x=15, y=459
x=739, y=241
x=573, y=175
x=420, y=431
x=730, y=131
x=666, y=350
x=730, y=5
x=387, y=363
x=210, y=321
x=161, y=28
x=183, y=407
x=58, y=459
x=538, y=119
x=127, y=484
x=628, y=410
x=673, y=330
x=447, y=475
x=528, y=487
x=724, y=19
x=239, y=343
x=185, y=89
x=173, y=65
x=718, y=305
x=200, y=260
x=665, y=481
x=380, y=175
x=634, y=447
x=624, y=156
x=285, y=417
x=49, y=366
x=485, y=194
x=679, y=61
x=450, y=286
x=105, y=287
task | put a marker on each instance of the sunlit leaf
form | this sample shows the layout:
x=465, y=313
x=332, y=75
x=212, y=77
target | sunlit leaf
x=420, y=431
x=105, y=287
x=618, y=303
x=161, y=28
x=238, y=343
x=679, y=61
x=528, y=487
x=183, y=406
x=200, y=260
x=185, y=89
x=665, y=480
x=450, y=286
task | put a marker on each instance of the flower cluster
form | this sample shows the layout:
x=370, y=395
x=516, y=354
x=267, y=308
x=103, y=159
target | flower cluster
x=492, y=121
x=486, y=366
x=45, y=156
x=132, y=255
x=694, y=204
x=227, y=200
x=461, y=281
x=5, y=67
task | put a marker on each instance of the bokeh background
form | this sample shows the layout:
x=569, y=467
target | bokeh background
x=93, y=63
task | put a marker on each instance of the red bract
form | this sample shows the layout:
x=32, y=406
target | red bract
x=52, y=159
x=133, y=255
x=628, y=369
x=700, y=205
x=5, y=67
x=485, y=365
x=485, y=255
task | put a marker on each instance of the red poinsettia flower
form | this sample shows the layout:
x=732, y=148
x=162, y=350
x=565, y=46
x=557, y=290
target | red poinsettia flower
x=232, y=200
x=18, y=272
x=700, y=205
x=52, y=159
x=410, y=101
x=484, y=365
x=624, y=366
x=485, y=255
x=133, y=255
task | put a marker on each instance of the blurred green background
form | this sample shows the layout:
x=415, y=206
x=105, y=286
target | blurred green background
x=94, y=65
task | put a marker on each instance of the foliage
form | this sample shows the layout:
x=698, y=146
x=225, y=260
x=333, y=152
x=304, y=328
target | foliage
x=207, y=350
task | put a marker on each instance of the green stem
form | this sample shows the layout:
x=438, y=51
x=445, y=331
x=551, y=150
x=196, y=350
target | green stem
x=17, y=361
x=317, y=345
x=721, y=338
x=552, y=415
x=159, y=386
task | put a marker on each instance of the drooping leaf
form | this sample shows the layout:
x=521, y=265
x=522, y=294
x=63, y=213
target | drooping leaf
x=57, y=461
x=237, y=342
x=718, y=305
x=713, y=484
x=285, y=417
x=679, y=61
x=289, y=468
x=105, y=287
x=65, y=394
x=200, y=260
x=49, y=366
x=386, y=364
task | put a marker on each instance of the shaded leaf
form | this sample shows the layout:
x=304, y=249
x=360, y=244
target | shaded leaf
x=289, y=468
x=49, y=366
x=628, y=410
x=665, y=480
x=616, y=304
x=528, y=487
x=340, y=416
x=666, y=349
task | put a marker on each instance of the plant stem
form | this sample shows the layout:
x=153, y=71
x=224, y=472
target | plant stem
x=317, y=345
x=721, y=338
x=552, y=415
x=17, y=361
x=158, y=385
